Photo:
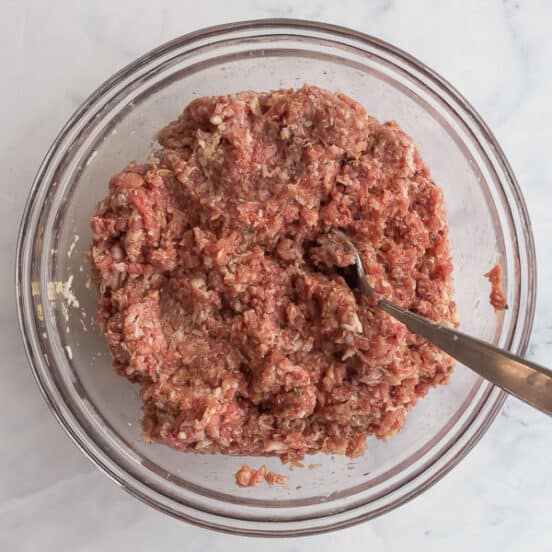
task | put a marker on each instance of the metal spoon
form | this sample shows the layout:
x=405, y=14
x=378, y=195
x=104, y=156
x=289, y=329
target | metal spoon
x=519, y=377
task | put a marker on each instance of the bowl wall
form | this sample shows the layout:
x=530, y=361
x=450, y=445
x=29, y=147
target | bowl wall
x=101, y=411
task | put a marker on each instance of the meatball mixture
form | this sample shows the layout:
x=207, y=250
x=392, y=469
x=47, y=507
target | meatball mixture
x=219, y=285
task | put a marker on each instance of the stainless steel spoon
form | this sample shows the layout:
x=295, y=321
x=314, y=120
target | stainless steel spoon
x=519, y=377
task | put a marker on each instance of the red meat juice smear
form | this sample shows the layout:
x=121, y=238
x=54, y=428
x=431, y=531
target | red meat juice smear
x=496, y=298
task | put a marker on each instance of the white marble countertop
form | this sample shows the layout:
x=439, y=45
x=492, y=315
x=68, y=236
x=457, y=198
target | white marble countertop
x=54, y=53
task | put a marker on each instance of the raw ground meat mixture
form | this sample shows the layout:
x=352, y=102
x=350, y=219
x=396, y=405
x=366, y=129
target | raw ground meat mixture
x=248, y=477
x=218, y=285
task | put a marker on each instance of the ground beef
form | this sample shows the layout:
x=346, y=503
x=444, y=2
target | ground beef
x=218, y=285
x=496, y=298
x=248, y=477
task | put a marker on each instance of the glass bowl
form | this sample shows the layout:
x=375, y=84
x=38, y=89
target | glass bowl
x=101, y=411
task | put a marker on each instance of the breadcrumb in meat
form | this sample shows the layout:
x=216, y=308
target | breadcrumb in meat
x=217, y=276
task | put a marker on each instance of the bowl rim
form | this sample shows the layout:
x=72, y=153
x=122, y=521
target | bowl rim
x=337, y=32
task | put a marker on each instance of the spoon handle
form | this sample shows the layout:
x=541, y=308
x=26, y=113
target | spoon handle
x=524, y=379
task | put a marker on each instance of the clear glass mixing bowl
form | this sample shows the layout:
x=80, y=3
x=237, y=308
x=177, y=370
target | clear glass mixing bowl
x=116, y=124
